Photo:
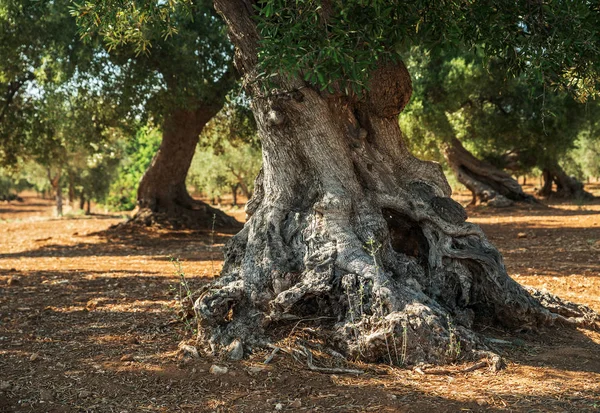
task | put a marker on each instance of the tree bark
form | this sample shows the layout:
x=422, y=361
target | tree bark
x=234, y=189
x=488, y=184
x=162, y=194
x=567, y=187
x=347, y=226
x=57, y=189
x=71, y=189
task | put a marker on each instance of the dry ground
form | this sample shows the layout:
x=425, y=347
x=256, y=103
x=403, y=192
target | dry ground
x=88, y=324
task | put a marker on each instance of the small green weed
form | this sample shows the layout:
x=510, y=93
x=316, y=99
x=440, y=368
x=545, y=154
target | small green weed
x=185, y=299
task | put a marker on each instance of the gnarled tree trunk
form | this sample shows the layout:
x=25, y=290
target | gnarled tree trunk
x=567, y=187
x=345, y=224
x=162, y=194
x=488, y=184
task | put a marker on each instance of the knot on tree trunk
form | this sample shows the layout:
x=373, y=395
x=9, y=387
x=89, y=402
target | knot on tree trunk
x=389, y=91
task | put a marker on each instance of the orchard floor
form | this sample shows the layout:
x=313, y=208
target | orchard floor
x=88, y=324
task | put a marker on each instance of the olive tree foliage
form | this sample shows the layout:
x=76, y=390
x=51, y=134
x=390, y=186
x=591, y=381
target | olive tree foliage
x=587, y=150
x=137, y=151
x=175, y=55
x=339, y=44
x=38, y=46
x=12, y=183
x=58, y=107
x=330, y=42
x=215, y=174
x=74, y=137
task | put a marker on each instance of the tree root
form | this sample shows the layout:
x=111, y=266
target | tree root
x=565, y=312
x=328, y=370
x=303, y=351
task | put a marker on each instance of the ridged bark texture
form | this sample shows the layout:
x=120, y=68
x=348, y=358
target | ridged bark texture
x=488, y=184
x=346, y=225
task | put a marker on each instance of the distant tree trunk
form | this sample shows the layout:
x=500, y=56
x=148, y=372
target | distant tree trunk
x=349, y=229
x=88, y=208
x=567, y=187
x=59, y=201
x=234, y=189
x=162, y=194
x=71, y=189
x=82, y=200
x=546, y=181
x=245, y=190
x=57, y=189
x=488, y=184
x=241, y=182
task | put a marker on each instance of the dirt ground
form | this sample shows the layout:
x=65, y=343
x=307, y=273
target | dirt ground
x=88, y=324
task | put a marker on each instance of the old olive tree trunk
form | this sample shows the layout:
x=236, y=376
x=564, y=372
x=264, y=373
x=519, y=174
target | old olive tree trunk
x=162, y=194
x=346, y=224
x=567, y=187
x=488, y=184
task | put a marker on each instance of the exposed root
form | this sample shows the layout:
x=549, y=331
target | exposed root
x=271, y=356
x=492, y=361
x=567, y=313
x=328, y=370
x=302, y=351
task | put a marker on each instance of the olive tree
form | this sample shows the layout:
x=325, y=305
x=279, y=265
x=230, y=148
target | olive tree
x=514, y=123
x=345, y=223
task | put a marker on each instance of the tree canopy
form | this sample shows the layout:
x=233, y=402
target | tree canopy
x=172, y=55
x=330, y=41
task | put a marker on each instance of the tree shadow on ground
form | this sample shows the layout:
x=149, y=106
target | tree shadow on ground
x=104, y=341
x=538, y=210
x=60, y=353
x=187, y=245
x=553, y=251
x=26, y=210
x=99, y=318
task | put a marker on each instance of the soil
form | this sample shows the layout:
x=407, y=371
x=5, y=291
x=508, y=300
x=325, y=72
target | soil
x=89, y=323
